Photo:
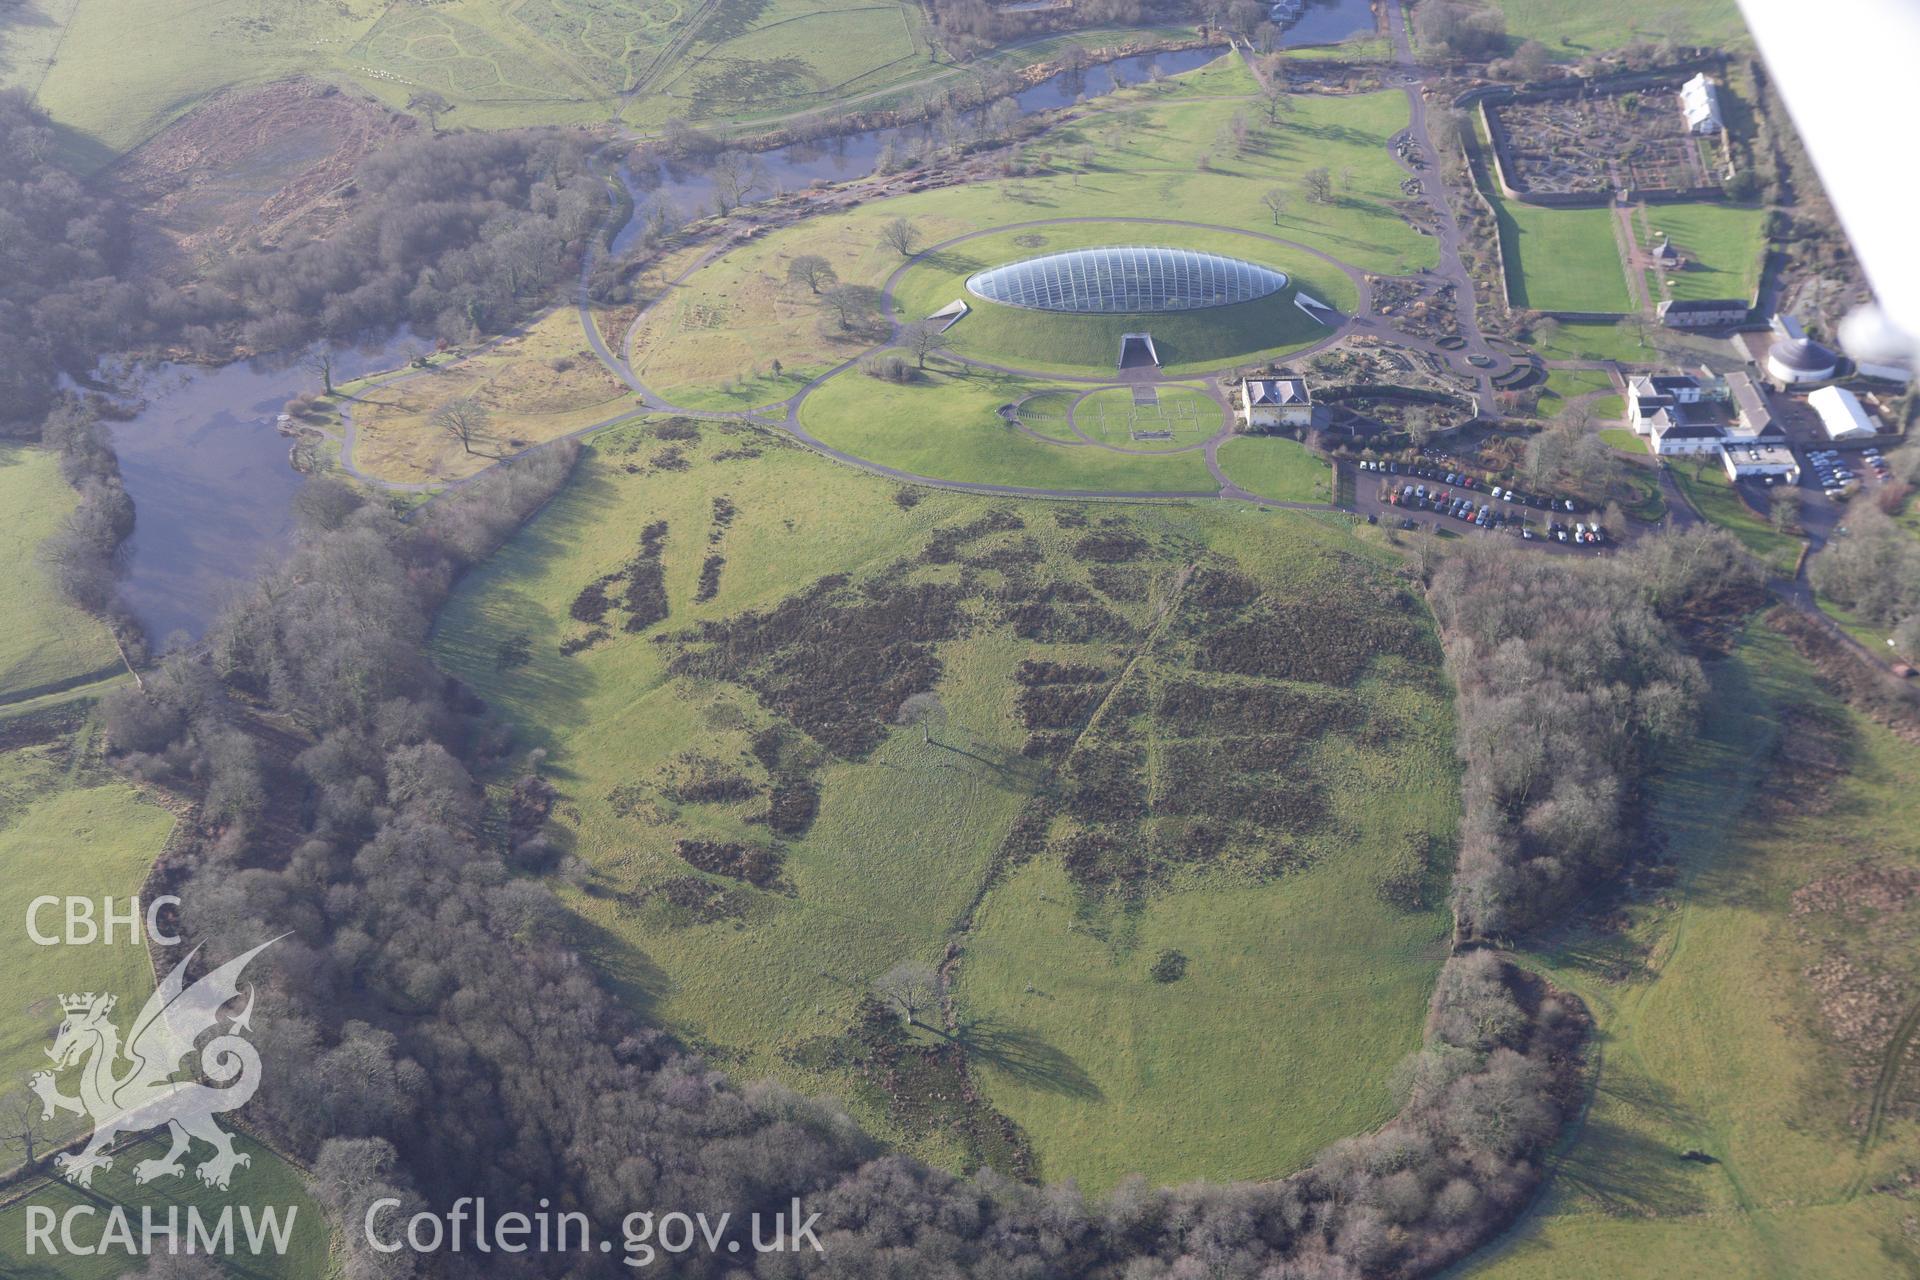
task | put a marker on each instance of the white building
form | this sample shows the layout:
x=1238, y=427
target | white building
x=1759, y=461
x=1700, y=104
x=1793, y=362
x=1841, y=414
x=1276, y=402
x=1884, y=370
x=1650, y=393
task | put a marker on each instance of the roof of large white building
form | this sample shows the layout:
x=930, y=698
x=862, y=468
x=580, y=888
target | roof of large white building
x=1841, y=414
x=1700, y=102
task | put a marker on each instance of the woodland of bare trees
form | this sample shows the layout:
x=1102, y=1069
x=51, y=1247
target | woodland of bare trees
x=1571, y=676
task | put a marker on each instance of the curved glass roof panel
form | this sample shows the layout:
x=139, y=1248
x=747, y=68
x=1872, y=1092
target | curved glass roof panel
x=1124, y=279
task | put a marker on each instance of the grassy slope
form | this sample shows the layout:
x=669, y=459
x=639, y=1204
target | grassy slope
x=62, y=833
x=1707, y=1031
x=65, y=830
x=121, y=69
x=903, y=840
x=1300, y=995
x=1561, y=259
x=1572, y=28
x=1275, y=467
x=711, y=341
x=43, y=639
x=268, y=1183
x=1713, y=494
x=947, y=425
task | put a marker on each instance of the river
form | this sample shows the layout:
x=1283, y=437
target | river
x=211, y=486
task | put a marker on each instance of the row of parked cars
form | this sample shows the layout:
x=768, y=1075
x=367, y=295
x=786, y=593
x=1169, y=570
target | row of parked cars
x=1461, y=480
x=1834, y=473
x=1484, y=515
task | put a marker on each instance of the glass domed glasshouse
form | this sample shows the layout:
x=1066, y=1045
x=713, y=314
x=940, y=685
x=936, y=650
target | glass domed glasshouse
x=1123, y=279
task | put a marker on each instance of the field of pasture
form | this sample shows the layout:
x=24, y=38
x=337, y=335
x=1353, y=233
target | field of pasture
x=711, y=635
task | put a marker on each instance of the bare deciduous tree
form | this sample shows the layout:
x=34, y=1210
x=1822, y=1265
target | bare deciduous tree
x=900, y=235
x=736, y=174
x=925, y=710
x=22, y=1124
x=464, y=420
x=431, y=105
x=319, y=362
x=813, y=271
x=910, y=988
x=1319, y=184
x=923, y=338
x=1276, y=200
x=851, y=304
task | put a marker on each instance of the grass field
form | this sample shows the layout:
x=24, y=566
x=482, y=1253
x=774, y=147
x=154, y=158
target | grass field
x=1715, y=497
x=1561, y=259
x=535, y=387
x=948, y=425
x=1275, y=467
x=1178, y=417
x=1621, y=342
x=268, y=1183
x=44, y=641
x=1710, y=1034
x=116, y=71
x=1571, y=29
x=1625, y=438
x=1722, y=243
x=772, y=979
x=67, y=830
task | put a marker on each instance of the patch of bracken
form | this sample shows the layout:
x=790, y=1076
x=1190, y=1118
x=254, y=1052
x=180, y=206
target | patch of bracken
x=709, y=578
x=1111, y=546
x=944, y=546
x=756, y=864
x=835, y=660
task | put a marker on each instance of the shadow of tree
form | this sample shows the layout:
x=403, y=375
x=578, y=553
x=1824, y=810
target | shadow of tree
x=1024, y=1056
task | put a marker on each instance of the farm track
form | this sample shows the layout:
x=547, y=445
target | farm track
x=1892, y=1062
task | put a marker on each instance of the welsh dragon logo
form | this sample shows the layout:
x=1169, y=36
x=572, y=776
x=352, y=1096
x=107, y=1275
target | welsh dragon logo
x=131, y=1088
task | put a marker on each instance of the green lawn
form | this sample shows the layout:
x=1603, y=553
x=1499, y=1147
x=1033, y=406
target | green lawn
x=947, y=425
x=1185, y=416
x=1620, y=341
x=904, y=838
x=1276, y=467
x=1625, y=438
x=268, y=1183
x=1561, y=259
x=1722, y=243
x=1714, y=495
x=44, y=640
x=65, y=831
x=1571, y=29
x=1709, y=1029
x=115, y=71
